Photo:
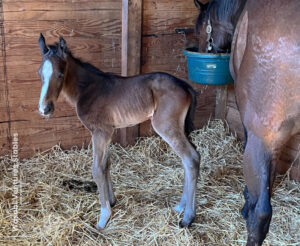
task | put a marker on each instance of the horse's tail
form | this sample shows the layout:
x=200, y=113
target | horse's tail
x=189, y=125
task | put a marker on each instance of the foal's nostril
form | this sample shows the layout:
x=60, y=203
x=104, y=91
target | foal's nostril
x=47, y=109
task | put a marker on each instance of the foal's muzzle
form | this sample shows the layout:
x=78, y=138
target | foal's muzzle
x=47, y=110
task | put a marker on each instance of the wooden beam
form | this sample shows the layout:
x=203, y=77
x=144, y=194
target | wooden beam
x=131, y=53
x=221, y=102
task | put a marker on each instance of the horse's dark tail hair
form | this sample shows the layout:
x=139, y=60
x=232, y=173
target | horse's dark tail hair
x=189, y=125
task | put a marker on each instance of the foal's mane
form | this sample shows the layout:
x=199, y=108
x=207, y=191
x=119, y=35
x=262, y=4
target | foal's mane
x=93, y=75
x=53, y=49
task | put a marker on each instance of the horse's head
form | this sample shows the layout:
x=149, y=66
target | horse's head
x=51, y=71
x=201, y=25
x=215, y=24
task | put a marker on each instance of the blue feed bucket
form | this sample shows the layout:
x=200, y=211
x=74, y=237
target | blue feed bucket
x=207, y=68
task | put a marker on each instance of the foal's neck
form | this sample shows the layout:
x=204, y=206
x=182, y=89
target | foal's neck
x=71, y=88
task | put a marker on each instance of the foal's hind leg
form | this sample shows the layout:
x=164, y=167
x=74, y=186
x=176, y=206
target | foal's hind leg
x=111, y=196
x=100, y=171
x=169, y=124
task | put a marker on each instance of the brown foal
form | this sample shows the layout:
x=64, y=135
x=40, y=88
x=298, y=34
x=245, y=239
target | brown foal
x=105, y=101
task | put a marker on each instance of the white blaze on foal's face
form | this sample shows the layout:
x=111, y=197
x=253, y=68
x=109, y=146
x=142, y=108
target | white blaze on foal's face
x=47, y=71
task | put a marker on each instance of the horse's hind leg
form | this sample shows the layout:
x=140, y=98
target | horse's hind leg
x=259, y=173
x=168, y=122
x=100, y=171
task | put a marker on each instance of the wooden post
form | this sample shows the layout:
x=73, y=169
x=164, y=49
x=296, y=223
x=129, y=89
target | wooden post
x=131, y=53
x=221, y=102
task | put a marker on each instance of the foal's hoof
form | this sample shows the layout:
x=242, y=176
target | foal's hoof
x=102, y=223
x=183, y=224
x=113, y=203
x=186, y=223
x=99, y=228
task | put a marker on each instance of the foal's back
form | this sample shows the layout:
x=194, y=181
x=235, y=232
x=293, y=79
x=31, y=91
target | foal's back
x=126, y=101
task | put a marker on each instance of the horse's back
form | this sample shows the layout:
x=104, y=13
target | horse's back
x=268, y=76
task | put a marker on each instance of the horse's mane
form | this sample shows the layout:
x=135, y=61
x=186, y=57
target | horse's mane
x=53, y=49
x=223, y=9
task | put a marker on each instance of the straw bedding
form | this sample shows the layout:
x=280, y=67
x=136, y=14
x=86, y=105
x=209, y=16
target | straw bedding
x=147, y=181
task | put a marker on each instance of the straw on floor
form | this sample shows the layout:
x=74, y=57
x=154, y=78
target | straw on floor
x=147, y=178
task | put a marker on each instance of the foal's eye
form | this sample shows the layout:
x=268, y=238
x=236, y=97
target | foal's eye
x=60, y=75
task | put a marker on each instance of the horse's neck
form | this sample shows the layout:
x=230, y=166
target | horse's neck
x=71, y=88
x=241, y=6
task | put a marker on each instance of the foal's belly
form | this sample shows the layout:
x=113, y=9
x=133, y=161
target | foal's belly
x=130, y=117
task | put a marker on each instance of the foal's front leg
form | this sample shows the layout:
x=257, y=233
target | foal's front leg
x=100, y=171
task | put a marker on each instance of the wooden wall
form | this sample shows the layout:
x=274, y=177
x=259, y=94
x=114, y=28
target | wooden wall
x=92, y=30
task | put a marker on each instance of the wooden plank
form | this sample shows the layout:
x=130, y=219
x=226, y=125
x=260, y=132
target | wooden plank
x=5, y=144
x=221, y=102
x=233, y=115
x=65, y=1
x=162, y=17
x=42, y=134
x=164, y=54
x=4, y=91
x=167, y=5
x=234, y=121
x=105, y=46
x=131, y=53
x=105, y=25
x=28, y=65
x=168, y=23
x=206, y=103
x=21, y=6
x=38, y=15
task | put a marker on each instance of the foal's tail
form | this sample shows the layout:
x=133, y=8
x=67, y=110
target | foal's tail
x=189, y=125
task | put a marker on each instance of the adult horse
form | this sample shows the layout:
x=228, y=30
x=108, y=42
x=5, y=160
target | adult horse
x=105, y=101
x=265, y=64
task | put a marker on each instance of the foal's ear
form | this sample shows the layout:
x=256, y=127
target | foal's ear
x=42, y=44
x=199, y=5
x=62, y=45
